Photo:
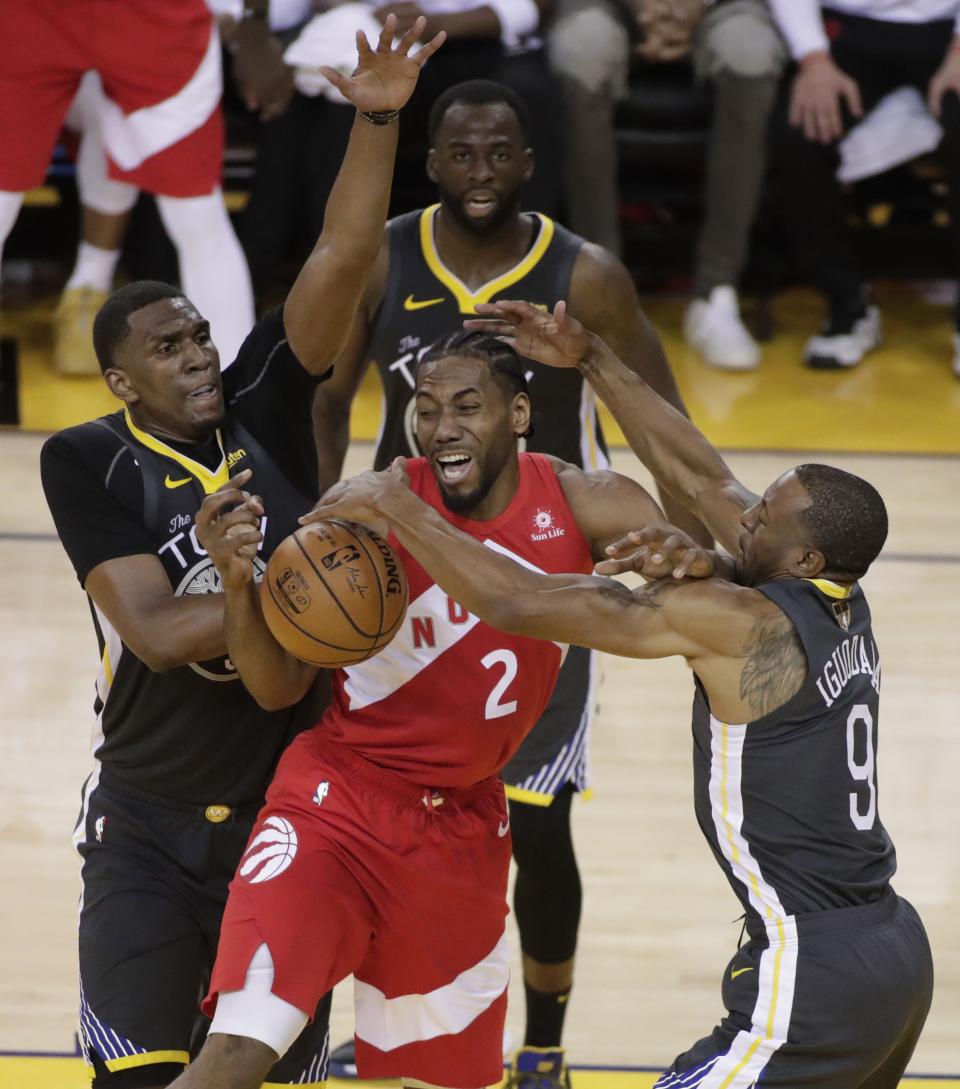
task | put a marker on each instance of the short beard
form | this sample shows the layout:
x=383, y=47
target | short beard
x=463, y=504
x=509, y=207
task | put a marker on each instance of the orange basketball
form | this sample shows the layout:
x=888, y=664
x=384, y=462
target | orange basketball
x=334, y=594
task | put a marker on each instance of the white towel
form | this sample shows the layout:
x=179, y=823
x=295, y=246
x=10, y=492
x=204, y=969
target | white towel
x=330, y=39
x=896, y=130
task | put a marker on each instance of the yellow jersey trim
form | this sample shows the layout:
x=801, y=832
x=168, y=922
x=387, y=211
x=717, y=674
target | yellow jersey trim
x=147, y=1058
x=832, y=589
x=107, y=664
x=534, y=797
x=208, y=480
x=530, y=797
x=467, y=300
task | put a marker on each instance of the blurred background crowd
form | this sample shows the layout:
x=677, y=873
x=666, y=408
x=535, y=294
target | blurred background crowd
x=721, y=148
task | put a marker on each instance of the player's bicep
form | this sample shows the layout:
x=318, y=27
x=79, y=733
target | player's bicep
x=606, y=505
x=134, y=594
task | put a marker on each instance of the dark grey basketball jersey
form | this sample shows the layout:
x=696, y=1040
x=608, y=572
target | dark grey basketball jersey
x=424, y=300
x=789, y=802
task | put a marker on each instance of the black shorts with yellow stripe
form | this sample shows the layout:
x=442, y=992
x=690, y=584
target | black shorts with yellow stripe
x=828, y=1000
x=557, y=749
x=155, y=878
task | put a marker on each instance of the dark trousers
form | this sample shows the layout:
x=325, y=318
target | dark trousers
x=880, y=56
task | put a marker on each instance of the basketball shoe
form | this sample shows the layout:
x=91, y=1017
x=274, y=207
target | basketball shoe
x=73, y=330
x=539, y=1068
x=844, y=341
x=714, y=328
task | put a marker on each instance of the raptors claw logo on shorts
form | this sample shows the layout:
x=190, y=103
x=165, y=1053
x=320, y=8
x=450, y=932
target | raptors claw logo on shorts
x=271, y=851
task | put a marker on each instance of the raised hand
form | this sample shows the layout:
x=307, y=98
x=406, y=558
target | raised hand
x=228, y=528
x=385, y=77
x=556, y=339
x=657, y=551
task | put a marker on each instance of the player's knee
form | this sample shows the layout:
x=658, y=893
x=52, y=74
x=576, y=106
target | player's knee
x=743, y=45
x=541, y=834
x=590, y=46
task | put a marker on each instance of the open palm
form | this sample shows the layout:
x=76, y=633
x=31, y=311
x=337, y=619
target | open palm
x=556, y=339
x=385, y=77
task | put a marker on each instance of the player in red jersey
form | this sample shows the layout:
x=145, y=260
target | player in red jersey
x=384, y=847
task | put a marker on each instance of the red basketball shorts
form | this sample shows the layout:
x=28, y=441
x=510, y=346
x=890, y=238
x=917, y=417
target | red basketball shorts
x=159, y=62
x=351, y=869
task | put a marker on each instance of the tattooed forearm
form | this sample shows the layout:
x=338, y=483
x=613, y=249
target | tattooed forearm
x=775, y=665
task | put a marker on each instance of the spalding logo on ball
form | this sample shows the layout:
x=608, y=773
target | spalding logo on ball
x=334, y=594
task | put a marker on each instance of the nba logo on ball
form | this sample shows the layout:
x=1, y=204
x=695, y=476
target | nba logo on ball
x=271, y=851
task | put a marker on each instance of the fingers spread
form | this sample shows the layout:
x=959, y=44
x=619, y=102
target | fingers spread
x=411, y=35
x=424, y=54
x=387, y=33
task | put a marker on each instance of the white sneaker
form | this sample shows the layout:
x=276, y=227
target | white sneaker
x=837, y=348
x=714, y=328
x=956, y=355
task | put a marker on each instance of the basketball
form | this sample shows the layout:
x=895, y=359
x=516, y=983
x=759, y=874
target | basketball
x=334, y=594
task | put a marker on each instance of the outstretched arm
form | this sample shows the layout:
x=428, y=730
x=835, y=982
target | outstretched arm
x=322, y=302
x=672, y=448
x=742, y=647
x=581, y=609
x=603, y=298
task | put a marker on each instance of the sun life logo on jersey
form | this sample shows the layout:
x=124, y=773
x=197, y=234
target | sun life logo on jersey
x=271, y=852
x=545, y=527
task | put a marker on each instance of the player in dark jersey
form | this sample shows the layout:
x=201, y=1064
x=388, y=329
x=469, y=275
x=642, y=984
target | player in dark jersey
x=383, y=849
x=834, y=985
x=183, y=754
x=434, y=267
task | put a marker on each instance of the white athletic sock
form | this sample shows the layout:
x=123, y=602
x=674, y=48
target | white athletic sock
x=213, y=269
x=94, y=268
x=9, y=210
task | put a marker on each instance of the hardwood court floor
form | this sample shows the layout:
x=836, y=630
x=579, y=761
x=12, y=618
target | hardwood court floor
x=658, y=922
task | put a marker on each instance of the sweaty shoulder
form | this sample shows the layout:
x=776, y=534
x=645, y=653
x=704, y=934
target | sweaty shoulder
x=90, y=443
x=596, y=270
x=95, y=493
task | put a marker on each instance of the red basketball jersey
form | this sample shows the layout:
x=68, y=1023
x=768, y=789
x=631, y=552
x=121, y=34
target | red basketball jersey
x=448, y=702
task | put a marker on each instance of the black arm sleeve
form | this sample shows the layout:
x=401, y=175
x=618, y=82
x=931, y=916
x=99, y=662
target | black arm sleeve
x=270, y=392
x=95, y=494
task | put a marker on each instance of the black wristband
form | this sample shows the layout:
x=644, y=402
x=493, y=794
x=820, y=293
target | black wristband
x=380, y=117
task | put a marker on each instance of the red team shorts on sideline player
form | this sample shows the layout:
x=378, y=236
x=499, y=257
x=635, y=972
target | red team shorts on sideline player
x=353, y=869
x=158, y=68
